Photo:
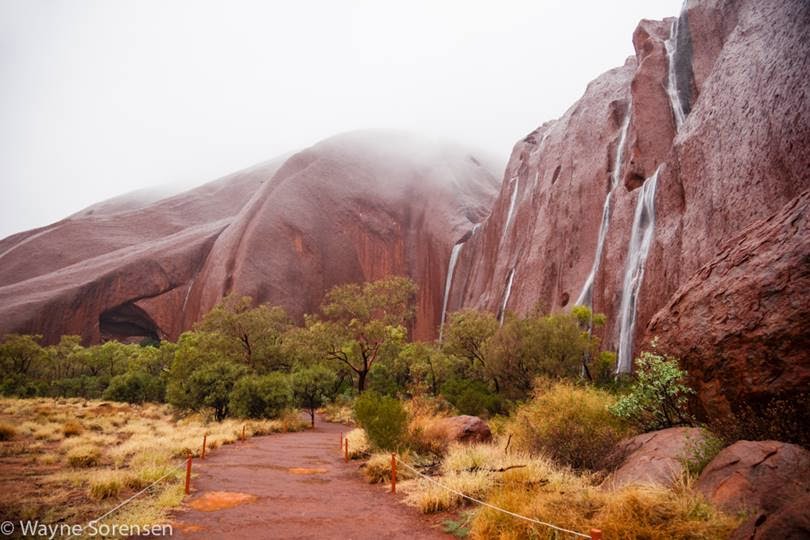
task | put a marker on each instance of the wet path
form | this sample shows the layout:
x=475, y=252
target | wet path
x=296, y=486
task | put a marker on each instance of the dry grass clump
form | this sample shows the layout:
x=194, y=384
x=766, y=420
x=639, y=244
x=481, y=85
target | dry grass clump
x=83, y=456
x=7, y=431
x=377, y=469
x=358, y=443
x=426, y=433
x=649, y=512
x=72, y=428
x=107, y=483
x=477, y=470
x=569, y=423
x=537, y=487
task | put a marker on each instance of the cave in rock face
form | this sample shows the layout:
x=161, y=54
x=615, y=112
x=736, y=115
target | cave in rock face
x=127, y=323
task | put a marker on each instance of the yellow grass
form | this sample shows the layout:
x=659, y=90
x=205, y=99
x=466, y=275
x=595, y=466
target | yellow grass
x=358, y=443
x=536, y=487
x=87, y=456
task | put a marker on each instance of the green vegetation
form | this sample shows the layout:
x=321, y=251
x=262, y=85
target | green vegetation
x=658, y=398
x=383, y=418
x=570, y=424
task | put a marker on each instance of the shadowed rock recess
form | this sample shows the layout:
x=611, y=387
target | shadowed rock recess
x=673, y=191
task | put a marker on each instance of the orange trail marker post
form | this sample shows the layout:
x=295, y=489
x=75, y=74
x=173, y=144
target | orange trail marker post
x=393, y=473
x=205, y=438
x=243, y=433
x=188, y=475
x=346, y=450
x=596, y=534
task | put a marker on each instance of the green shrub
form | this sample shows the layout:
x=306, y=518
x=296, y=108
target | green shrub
x=211, y=386
x=263, y=396
x=383, y=418
x=658, y=398
x=472, y=397
x=135, y=387
x=570, y=424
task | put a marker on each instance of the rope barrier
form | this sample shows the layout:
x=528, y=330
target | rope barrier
x=492, y=506
x=129, y=500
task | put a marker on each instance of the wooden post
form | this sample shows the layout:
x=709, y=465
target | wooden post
x=346, y=450
x=596, y=534
x=243, y=433
x=188, y=475
x=393, y=473
x=205, y=438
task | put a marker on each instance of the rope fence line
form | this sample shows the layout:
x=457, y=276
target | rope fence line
x=595, y=534
x=186, y=464
x=492, y=506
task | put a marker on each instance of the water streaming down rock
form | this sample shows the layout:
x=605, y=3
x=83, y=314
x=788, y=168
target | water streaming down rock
x=506, y=294
x=448, y=284
x=671, y=46
x=641, y=238
x=510, y=214
x=586, y=296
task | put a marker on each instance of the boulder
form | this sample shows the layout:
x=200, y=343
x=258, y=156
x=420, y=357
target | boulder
x=464, y=429
x=657, y=457
x=760, y=476
x=791, y=522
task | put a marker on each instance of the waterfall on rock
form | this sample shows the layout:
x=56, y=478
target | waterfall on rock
x=506, y=293
x=448, y=284
x=586, y=296
x=512, y=203
x=671, y=46
x=641, y=238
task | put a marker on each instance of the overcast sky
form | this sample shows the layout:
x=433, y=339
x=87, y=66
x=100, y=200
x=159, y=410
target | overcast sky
x=98, y=98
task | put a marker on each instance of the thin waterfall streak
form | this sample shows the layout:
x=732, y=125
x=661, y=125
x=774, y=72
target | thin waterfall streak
x=586, y=295
x=671, y=46
x=506, y=294
x=512, y=203
x=641, y=238
x=188, y=293
x=448, y=284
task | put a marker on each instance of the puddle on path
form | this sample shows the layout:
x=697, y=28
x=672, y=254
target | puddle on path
x=303, y=470
x=220, y=500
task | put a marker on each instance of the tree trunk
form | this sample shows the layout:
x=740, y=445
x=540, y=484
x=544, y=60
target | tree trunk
x=312, y=416
x=361, y=381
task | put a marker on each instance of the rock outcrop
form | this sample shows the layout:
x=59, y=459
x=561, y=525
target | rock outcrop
x=463, y=429
x=766, y=479
x=355, y=207
x=738, y=154
x=657, y=457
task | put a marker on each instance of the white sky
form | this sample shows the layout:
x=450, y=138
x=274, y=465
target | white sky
x=98, y=98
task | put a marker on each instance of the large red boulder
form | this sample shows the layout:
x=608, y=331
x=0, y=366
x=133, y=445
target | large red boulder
x=657, y=457
x=463, y=429
x=756, y=475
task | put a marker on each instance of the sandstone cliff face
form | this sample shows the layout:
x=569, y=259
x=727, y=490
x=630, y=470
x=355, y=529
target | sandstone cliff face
x=739, y=74
x=355, y=207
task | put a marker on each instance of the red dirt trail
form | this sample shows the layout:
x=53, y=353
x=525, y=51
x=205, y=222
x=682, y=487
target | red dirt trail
x=293, y=486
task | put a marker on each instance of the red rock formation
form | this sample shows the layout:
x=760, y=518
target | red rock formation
x=355, y=207
x=740, y=324
x=741, y=154
x=756, y=475
x=657, y=457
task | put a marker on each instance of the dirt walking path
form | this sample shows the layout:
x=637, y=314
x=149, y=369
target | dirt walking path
x=293, y=486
